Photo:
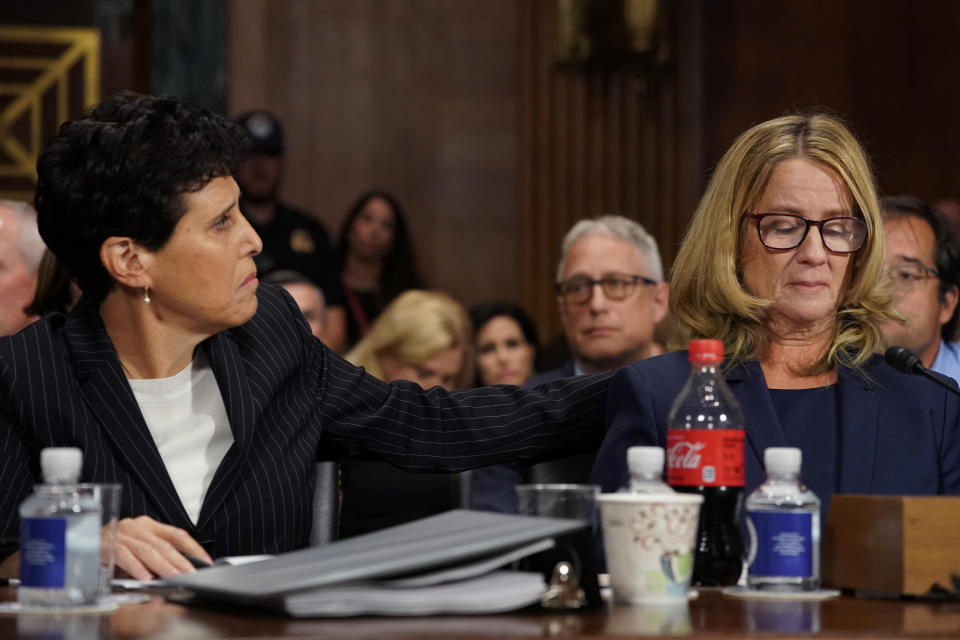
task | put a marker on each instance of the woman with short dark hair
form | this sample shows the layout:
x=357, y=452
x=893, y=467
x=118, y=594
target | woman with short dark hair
x=506, y=343
x=202, y=393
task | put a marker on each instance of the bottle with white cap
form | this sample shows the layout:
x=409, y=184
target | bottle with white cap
x=783, y=522
x=646, y=470
x=59, y=536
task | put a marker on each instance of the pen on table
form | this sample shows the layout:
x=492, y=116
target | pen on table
x=195, y=561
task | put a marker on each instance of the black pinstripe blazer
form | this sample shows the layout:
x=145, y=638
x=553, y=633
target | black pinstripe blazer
x=289, y=400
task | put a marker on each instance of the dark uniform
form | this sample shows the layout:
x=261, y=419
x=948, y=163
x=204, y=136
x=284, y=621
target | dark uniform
x=294, y=240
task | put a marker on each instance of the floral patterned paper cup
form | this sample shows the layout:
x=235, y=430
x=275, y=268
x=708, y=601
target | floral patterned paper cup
x=649, y=541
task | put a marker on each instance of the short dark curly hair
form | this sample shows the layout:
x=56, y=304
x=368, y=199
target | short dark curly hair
x=122, y=170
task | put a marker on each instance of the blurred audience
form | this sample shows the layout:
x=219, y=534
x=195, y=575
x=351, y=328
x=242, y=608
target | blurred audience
x=56, y=291
x=376, y=259
x=21, y=250
x=306, y=294
x=611, y=295
x=423, y=337
x=506, y=342
x=922, y=261
x=291, y=239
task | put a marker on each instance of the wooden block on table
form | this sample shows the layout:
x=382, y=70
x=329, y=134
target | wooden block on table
x=891, y=544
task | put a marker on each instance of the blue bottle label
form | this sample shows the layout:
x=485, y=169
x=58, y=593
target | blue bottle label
x=783, y=544
x=43, y=552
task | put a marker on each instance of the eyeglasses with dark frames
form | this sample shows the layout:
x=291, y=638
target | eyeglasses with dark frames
x=619, y=286
x=788, y=231
x=908, y=276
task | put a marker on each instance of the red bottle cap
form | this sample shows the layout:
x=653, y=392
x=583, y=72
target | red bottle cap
x=706, y=351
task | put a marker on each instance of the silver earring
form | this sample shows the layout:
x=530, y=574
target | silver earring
x=146, y=294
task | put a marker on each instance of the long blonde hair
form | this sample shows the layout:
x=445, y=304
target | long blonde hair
x=707, y=295
x=413, y=328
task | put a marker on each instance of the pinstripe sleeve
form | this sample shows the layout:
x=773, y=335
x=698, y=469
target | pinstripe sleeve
x=433, y=429
x=16, y=481
x=424, y=430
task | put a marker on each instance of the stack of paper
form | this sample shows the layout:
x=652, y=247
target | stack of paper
x=443, y=564
x=490, y=593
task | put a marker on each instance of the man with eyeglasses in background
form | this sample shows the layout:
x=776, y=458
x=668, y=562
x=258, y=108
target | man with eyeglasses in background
x=923, y=264
x=611, y=295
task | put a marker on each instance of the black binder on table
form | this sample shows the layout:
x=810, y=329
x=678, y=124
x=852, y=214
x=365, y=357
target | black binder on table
x=451, y=555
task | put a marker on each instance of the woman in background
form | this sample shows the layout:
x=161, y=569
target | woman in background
x=376, y=259
x=506, y=342
x=423, y=337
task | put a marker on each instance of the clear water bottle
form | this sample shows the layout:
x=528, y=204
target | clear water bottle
x=783, y=522
x=59, y=537
x=646, y=471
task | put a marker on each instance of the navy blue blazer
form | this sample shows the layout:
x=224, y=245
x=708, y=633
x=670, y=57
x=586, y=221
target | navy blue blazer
x=899, y=434
x=289, y=400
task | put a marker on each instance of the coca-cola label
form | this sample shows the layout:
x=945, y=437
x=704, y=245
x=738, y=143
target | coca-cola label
x=705, y=457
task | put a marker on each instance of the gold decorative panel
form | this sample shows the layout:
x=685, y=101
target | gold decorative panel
x=47, y=76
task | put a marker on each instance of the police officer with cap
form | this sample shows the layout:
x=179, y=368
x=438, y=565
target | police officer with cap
x=292, y=239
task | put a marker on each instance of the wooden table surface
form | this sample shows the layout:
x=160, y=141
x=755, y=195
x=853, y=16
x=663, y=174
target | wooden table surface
x=709, y=616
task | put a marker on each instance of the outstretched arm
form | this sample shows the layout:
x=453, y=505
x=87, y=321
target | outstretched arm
x=631, y=421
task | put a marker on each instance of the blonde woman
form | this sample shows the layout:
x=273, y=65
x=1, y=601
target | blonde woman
x=783, y=261
x=423, y=337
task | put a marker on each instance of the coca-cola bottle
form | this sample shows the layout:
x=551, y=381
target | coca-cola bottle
x=705, y=455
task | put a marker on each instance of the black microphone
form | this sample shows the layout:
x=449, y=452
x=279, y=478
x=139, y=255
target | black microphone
x=906, y=361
